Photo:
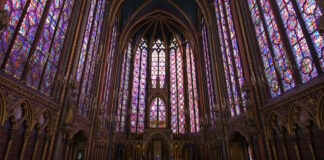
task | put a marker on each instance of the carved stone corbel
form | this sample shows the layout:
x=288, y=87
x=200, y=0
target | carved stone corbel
x=321, y=19
x=4, y=16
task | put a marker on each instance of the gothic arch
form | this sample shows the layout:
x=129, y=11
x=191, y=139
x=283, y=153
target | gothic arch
x=3, y=109
x=320, y=112
x=276, y=122
x=299, y=116
x=26, y=113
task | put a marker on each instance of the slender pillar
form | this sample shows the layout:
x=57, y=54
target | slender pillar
x=11, y=133
x=36, y=146
x=24, y=145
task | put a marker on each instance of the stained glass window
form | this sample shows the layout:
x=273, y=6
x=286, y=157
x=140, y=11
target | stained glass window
x=210, y=87
x=158, y=64
x=299, y=19
x=176, y=89
x=109, y=62
x=43, y=61
x=26, y=34
x=123, y=90
x=46, y=56
x=88, y=55
x=231, y=56
x=273, y=53
x=138, y=89
x=192, y=90
x=157, y=113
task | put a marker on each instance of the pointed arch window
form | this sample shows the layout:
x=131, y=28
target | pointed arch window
x=37, y=65
x=157, y=113
x=158, y=64
x=231, y=57
x=208, y=71
x=176, y=89
x=123, y=90
x=88, y=55
x=192, y=90
x=299, y=20
x=139, y=89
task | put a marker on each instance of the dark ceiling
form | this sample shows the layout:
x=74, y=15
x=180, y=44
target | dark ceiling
x=187, y=10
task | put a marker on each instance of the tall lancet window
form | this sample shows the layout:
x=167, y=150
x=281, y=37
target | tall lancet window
x=123, y=90
x=305, y=45
x=176, y=89
x=231, y=56
x=209, y=78
x=157, y=113
x=192, y=90
x=27, y=58
x=158, y=64
x=139, y=89
x=88, y=55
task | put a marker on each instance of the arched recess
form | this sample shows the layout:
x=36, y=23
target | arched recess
x=3, y=109
x=160, y=103
x=238, y=146
x=320, y=112
x=300, y=117
x=22, y=112
x=79, y=141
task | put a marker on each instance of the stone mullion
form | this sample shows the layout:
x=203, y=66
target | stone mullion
x=226, y=60
x=257, y=65
x=14, y=36
x=62, y=67
x=35, y=40
x=104, y=47
x=86, y=55
x=217, y=59
x=277, y=17
x=279, y=76
x=193, y=88
x=51, y=46
x=130, y=86
x=44, y=153
x=121, y=87
x=255, y=95
x=308, y=38
x=70, y=71
x=139, y=90
x=233, y=58
x=186, y=91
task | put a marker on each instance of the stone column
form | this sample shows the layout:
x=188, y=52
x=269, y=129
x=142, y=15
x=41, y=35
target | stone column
x=320, y=3
x=4, y=16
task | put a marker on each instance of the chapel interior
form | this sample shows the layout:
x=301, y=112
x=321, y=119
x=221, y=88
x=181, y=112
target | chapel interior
x=162, y=79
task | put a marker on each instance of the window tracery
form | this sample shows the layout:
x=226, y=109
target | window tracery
x=299, y=19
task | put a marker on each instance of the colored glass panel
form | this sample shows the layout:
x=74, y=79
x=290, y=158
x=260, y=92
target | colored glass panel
x=297, y=40
x=176, y=89
x=21, y=48
x=138, y=89
x=123, y=90
x=311, y=14
x=14, y=8
x=157, y=113
x=158, y=64
x=210, y=87
x=192, y=91
x=270, y=62
x=57, y=47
